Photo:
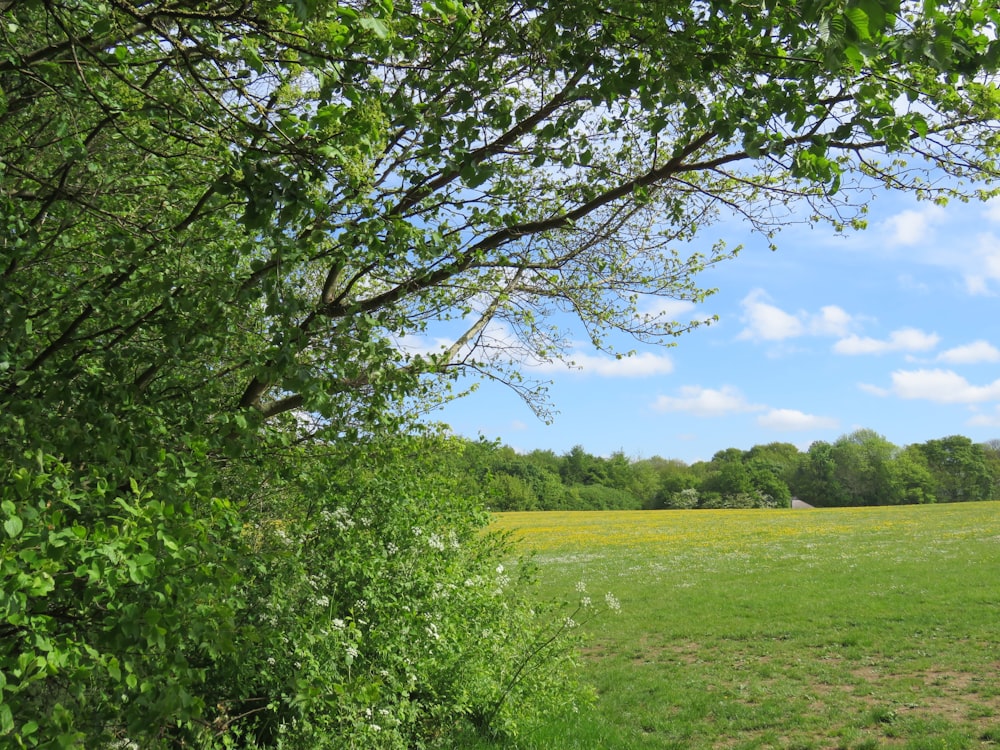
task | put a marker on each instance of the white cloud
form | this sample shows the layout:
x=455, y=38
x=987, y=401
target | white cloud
x=874, y=389
x=706, y=402
x=970, y=354
x=913, y=225
x=792, y=419
x=942, y=386
x=767, y=322
x=413, y=345
x=986, y=420
x=673, y=309
x=992, y=210
x=831, y=321
x=984, y=265
x=642, y=365
x=902, y=340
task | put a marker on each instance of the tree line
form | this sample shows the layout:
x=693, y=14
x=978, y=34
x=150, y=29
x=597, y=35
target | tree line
x=860, y=468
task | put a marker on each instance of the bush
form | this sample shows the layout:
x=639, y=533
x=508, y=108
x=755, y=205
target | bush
x=362, y=603
x=683, y=500
x=382, y=616
x=115, y=605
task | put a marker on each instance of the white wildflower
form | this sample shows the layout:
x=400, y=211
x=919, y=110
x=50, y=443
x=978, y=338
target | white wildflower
x=613, y=604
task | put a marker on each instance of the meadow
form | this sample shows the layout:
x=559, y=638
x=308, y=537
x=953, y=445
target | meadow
x=856, y=628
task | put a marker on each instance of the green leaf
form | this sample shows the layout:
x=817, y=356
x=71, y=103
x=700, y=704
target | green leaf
x=375, y=25
x=13, y=526
x=859, y=20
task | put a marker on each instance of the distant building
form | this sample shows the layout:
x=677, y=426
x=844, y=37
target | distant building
x=796, y=503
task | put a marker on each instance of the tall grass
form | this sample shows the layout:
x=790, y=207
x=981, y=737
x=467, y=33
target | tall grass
x=841, y=628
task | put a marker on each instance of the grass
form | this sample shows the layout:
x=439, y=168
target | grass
x=841, y=628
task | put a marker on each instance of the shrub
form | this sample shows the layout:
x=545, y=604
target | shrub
x=361, y=603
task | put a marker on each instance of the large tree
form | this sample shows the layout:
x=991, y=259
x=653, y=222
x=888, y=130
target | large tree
x=268, y=198
x=222, y=223
x=960, y=469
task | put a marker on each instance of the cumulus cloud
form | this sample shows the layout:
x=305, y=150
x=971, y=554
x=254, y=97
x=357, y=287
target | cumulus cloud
x=941, y=386
x=668, y=308
x=913, y=225
x=793, y=419
x=831, y=321
x=768, y=322
x=706, y=402
x=902, y=340
x=642, y=365
x=970, y=354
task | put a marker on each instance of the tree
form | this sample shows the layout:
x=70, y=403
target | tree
x=960, y=469
x=745, y=482
x=911, y=477
x=863, y=461
x=991, y=451
x=579, y=467
x=782, y=458
x=223, y=226
x=816, y=478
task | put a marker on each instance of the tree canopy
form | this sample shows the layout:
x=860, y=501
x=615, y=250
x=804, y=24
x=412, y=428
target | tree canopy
x=223, y=225
x=268, y=199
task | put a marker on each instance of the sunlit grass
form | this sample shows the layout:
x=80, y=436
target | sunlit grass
x=847, y=628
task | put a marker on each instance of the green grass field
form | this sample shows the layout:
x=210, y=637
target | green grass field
x=840, y=628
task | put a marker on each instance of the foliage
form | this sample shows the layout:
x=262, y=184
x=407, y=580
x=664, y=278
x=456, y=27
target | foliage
x=379, y=615
x=114, y=605
x=864, y=468
x=363, y=607
x=959, y=469
x=861, y=468
x=224, y=229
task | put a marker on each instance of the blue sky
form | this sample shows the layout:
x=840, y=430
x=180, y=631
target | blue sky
x=894, y=328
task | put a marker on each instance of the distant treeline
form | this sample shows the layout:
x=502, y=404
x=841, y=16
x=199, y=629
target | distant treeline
x=862, y=468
